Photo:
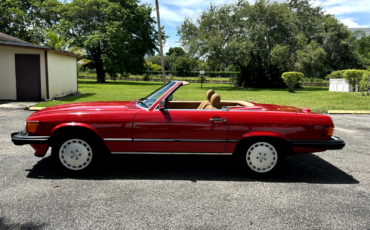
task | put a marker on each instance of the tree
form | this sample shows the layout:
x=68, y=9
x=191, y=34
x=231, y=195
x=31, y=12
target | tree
x=185, y=64
x=56, y=41
x=27, y=19
x=116, y=34
x=268, y=38
x=291, y=79
x=178, y=51
x=157, y=60
x=311, y=59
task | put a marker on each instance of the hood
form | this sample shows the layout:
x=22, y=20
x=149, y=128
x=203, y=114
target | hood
x=84, y=106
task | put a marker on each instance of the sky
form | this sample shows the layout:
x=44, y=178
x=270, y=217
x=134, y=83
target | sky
x=353, y=13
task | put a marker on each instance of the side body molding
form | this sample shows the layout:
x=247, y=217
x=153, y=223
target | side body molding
x=263, y=134
x=75, y=124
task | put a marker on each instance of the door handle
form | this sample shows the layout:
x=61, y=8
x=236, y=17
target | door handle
x=217, y=119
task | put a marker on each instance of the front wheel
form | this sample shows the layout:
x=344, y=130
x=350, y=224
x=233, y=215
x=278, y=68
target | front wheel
x=78, y=154
x=262, y=158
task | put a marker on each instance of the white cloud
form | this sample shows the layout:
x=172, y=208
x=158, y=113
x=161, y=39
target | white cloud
x=176, y=11
x=340, y=7
x=351, y=24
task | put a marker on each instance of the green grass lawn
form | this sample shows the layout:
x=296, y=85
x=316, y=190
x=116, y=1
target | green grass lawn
x=318, y=99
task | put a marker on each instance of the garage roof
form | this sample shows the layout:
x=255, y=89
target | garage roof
x=7, y=40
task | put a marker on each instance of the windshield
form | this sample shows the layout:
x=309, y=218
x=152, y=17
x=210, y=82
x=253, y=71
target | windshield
x=153, y=97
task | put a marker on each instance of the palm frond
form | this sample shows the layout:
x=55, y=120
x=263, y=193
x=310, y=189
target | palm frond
x=77, y=50
x=83, y=61
x=67, y=43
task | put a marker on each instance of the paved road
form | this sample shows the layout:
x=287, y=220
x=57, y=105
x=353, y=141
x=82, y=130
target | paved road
x=329, y=190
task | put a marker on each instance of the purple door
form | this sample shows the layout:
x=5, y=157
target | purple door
x=27, y=69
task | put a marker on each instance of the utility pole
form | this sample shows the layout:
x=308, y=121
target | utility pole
x=160, y=41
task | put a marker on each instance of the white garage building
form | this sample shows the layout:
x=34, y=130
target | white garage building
x=31, y=73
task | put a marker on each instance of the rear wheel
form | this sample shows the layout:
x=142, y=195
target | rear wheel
x=78, y=153
x=262, y=157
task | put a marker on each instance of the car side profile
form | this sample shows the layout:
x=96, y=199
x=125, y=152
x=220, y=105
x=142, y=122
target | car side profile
x=259, y=136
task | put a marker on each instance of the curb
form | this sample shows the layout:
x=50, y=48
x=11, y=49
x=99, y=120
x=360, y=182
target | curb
x=36, y=108
x=348, y=112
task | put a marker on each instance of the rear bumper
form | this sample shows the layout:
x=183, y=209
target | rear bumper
x=334, y=144
x=22, y=138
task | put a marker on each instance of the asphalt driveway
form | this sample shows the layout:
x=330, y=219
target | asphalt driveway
x=329, y=190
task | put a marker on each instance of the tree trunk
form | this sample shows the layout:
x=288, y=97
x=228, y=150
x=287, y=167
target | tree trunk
x=100, y=72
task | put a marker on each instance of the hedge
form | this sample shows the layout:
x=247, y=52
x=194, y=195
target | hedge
x=194, y=73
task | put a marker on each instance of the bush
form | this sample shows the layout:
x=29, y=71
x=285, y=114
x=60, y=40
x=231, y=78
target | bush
x=365, y=83
x=291, y=79
x=354, y=77
x=335, y=74
x=147, y=77
x=235, y=79
x=125, y=75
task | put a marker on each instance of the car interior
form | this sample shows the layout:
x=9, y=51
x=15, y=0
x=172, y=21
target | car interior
x=213, y=102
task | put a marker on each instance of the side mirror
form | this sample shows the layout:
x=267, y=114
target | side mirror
x=162, y=105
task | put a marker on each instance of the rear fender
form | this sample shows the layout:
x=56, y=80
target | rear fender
x=265, y=134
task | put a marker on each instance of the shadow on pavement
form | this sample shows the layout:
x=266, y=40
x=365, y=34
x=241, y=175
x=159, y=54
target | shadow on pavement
x=29, y=225
x=306, y=168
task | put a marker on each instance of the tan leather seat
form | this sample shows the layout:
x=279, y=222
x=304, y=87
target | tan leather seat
x=208, y=96
x=215, y=102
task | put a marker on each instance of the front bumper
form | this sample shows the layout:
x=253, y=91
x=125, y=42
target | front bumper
x=22, y=138
x=334, y=144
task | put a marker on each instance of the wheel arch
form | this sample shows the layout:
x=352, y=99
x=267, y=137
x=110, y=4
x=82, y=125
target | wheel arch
x=76, y=128
x=288, y=148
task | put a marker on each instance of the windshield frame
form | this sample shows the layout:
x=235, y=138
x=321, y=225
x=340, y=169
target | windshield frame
x=140, y=103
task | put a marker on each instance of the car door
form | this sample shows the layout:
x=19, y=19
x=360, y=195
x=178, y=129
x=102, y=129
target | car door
x=180, y=131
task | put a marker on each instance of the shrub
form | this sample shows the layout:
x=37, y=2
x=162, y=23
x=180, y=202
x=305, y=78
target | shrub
x=147, y=77
x=291, y=79
x=335, y=74
x=365, y=83
x=235, y=79
x=354, y=77
x=125, y=75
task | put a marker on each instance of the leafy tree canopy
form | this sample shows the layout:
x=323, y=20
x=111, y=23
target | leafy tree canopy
x=177, y=51
x=183, y=64
x=116, y=34
x=268, y=38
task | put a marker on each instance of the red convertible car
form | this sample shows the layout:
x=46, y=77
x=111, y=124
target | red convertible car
x=258, y=135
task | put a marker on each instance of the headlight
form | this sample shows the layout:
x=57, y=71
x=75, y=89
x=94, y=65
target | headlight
x=31, y=126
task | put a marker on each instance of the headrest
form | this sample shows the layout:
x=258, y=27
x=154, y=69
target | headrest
x=209, y=94
x=216, y=100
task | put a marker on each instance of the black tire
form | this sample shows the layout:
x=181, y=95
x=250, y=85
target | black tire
x=261, y=157
x=77, y=153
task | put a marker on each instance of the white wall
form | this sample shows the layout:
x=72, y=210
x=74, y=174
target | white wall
x=339, y=85
x=62, y=74
x=8, y=89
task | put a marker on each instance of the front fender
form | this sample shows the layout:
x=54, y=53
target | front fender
x=75, y=124
x=263, y=134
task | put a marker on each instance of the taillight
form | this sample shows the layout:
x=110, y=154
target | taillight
x=31, y=126
x=328, y=131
